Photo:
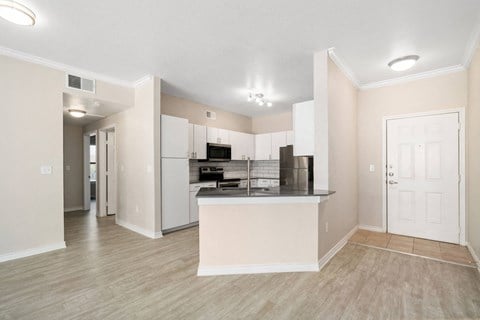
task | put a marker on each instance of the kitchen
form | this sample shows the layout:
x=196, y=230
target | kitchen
x=218, y=158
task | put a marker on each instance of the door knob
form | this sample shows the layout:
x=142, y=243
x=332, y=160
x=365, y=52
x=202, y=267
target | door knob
x=392, y=182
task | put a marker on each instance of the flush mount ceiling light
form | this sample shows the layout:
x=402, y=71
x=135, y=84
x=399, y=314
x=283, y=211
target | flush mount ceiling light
x=403, y=63
x=258, y=98
x=77, y=113
x=17, y=13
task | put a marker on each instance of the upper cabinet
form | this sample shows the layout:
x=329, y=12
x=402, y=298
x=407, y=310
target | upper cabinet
x=290, y=138
x=303, y=129
x=243, y=145
x=174, y=137
x=197, y=141
x=263, y=146
x=216, y=135
x=279, y=139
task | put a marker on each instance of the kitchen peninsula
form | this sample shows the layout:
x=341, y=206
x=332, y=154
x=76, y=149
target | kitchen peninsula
x=261, y=231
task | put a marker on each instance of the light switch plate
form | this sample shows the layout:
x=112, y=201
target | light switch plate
x=46, y=169
x=67, y=168
x=372, y=168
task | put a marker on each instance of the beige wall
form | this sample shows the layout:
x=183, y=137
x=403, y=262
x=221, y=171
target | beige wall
x=280, y=234
x=196, y=113
x=72, y=158
x=340, y=211
x=442, y=92
x=473, y=136
x=32, y=125
x=272, y=123
x=137, y=162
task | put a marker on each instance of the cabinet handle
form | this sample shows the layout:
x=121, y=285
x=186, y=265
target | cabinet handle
x=195, y=154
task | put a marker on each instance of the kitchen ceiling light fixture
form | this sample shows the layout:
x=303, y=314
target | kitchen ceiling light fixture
x=17, y=13
x=259, y=98
x=403, y=63
x=77, y=113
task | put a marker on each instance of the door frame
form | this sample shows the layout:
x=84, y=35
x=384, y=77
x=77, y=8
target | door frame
x=86, y=168
x=461, y=162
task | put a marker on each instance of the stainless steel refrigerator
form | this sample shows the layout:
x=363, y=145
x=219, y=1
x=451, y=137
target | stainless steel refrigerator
x=295, y=172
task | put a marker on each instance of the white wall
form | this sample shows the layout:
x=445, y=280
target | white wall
x=441, y=92
x=31, y=217
x=473, y=136
x=137, y=139
x=337, y=100
x=73, y=159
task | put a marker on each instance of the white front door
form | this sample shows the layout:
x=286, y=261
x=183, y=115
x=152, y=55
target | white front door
x=423, y=177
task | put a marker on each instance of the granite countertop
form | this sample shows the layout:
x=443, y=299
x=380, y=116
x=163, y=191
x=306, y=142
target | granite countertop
x=259, y=192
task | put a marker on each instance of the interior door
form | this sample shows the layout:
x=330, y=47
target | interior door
x=423, y=177
x=111, y=173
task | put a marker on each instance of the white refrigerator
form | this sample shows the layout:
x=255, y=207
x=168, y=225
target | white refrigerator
x=175, y=172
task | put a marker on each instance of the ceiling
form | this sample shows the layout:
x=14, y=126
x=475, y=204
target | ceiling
x=213, y=51
x=96, y=109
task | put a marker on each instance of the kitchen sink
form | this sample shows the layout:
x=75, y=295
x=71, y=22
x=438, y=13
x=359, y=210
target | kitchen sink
x=256, y=189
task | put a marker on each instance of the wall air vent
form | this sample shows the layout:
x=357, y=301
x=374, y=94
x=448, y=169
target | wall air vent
x=211, y=115
x=79, y=83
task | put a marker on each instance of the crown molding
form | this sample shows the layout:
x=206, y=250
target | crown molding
x=142, y=80
x=412, y=77
x=63, y=67
x=472, y=45
x=342, y=66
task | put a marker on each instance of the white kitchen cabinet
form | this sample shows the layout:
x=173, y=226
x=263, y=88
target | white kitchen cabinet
x=243, y=145
x=216, y=135
x=290, y=138
x=194, y=187
x=303, y=128
x=279, y=139
x=197, y=141
x=174, y=137
x=263, y=146
x=175, y=193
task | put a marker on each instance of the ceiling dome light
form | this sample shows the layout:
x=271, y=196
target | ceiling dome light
x=403, y=63
x=269, y=104
x=261, y=103
x=77, y=113
x=17, y=13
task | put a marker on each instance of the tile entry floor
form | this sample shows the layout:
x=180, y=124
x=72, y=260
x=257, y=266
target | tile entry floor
x=427, y=248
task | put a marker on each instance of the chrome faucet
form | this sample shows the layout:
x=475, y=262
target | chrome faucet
x=248, y=176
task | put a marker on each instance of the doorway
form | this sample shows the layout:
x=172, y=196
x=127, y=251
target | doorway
x=100, y=172
x=424, y=165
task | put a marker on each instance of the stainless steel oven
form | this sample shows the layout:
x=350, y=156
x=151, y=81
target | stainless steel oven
x=219, y=152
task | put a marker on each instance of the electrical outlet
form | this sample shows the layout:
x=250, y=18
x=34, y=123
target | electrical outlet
x=136, y=208
x=326, y=226
x=372, y=168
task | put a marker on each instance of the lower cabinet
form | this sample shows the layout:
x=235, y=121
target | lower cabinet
x=194, y=187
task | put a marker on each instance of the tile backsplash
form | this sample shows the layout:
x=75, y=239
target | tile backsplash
x=238, y=169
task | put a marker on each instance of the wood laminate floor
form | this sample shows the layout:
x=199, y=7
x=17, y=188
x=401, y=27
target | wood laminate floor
x=108, y=272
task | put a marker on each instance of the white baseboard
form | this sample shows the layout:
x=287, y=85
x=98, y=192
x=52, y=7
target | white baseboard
x=370, y=228
x=31, y=252
x=332, y=252
x=71, y=209
x=137, y=229
x=251, y=269
x=474, y=256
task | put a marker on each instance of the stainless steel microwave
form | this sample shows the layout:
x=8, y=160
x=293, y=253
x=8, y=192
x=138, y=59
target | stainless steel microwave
x=219, y=152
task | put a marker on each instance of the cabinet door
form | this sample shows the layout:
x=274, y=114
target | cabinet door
x=200, y=142
x=223, y=136
x=263, y=146
x=212, y=135
x=303, y=129
x=174, y=137
x=237, y=145
x=175, y=193
x=289, y=137
x=191, y=141
x=250, y=146
x=279, y=139
x=193, y=207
